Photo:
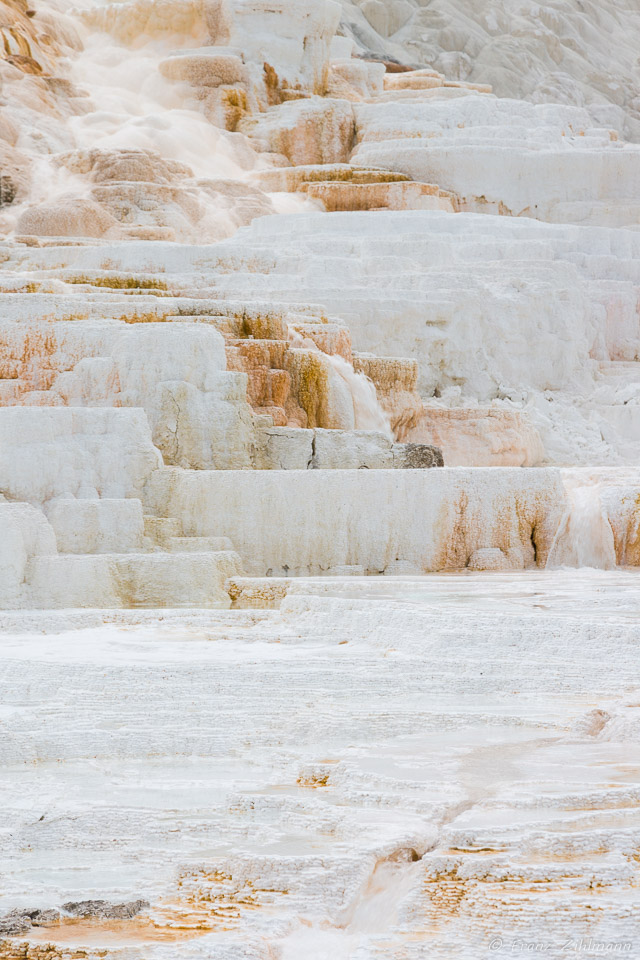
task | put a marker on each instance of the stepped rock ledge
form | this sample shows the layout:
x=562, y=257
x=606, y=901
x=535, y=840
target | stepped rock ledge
x=319, y=479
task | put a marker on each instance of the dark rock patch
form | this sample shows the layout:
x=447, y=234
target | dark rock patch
x=416, y=456
x=17, y=922
x=391, y=63
x=7, y=190
x=13, y=924
x=103, y=910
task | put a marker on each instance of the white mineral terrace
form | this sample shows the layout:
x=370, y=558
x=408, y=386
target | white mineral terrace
x=319, y=486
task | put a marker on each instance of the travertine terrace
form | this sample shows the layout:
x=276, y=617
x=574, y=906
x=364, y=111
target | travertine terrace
x=319, y=498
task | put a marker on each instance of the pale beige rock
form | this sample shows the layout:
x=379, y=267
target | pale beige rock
x=354, y=450
x=366, y=79
x=488, y=558
x=173, y=210
x=307, y=131
x=314, y=521
x=204, y=69
x=226, y=106
x=247, y=592
x=296, y=178
x=132, y=21
x=51, y=452
x=25, y=533
x=96, y=526
x=283, y=448
x=72, y=217
x=152, y=197
x=299, y=34
x=104, y=166
x=621, y=505
x=411, y=81
x=132, y=580
x=480, y=436
x=379, y=196
x=387, y=16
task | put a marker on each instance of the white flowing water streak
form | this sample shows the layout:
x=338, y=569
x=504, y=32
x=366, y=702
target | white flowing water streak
x=128, y=105
x=584, y=537
x=368, y=414
x=136, y=108
x=377, y=908
x=375, y=911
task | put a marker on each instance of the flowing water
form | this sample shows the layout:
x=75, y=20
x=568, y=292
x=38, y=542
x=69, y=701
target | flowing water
x=365, y=409
x=584, y=537
x=112, y=55
x=367, y=412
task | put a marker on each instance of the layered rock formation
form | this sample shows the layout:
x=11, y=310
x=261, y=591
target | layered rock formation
x=561, y=51
x=305, y=303
x=312, y=341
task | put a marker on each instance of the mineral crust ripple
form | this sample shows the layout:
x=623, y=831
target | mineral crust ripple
x=319, y=488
